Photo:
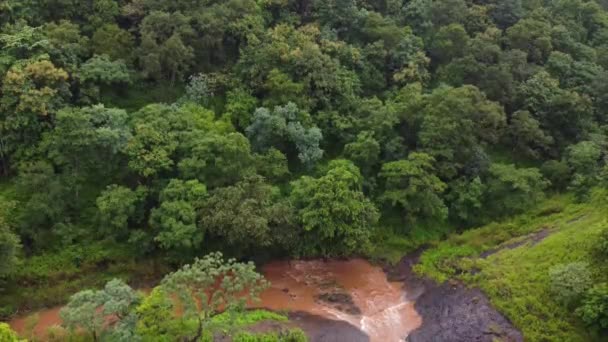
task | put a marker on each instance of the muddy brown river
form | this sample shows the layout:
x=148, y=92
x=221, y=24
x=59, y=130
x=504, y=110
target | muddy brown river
x=353, y=291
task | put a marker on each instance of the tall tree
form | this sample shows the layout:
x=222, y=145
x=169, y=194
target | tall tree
x=209, y=285
x=412, y=186
x=336, y=217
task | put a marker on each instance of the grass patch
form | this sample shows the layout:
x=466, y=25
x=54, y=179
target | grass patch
x=517, y=279
x=247, y=318
x=49, y=279
x=292, y=335
x=441, y=262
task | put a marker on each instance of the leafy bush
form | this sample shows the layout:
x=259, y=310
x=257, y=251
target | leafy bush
x=7, y=334
x=570, y=281
x=240, y=319
x=293, y=335
x=594, y=308
x=600, y=247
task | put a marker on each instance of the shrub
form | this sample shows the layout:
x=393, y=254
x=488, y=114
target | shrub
x=594, y=308
x=293, y=335
x=600, y=246
x=557, y=172
x=7, y=334
x=570, y=281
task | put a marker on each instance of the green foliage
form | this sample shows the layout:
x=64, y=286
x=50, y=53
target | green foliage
x=176, y=218
x=465, y=200
x=9, y=242
x=600, y=248
x=454, y=113
x=335, y=216
x=88, y=310
x=113, y=41
x=365, y=151
x=154, y=314
x=248, y=318
x=292, y=335
x=454, y=123
x=283, y=125
x=570, y=281
x=594, y=308
x=517, y=189
x=208, y=285
x=7, y=334
x=101, y=70
x=411, y=185
x=117, y=205
x=248, y=214
x=516, y=277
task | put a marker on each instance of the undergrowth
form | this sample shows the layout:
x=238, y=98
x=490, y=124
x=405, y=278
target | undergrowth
x=516, y=277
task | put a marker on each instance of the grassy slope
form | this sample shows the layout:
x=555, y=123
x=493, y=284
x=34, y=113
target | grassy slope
x=516, y=280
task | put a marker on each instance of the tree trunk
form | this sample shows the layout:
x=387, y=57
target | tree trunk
x=199, y=332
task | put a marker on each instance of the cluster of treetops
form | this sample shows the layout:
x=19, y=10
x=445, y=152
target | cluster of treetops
x=303, y=127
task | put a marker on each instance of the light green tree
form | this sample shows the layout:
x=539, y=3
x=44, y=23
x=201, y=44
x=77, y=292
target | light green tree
x=88, y=309
x=336, y=217
x=411, y=185
x=208, y=285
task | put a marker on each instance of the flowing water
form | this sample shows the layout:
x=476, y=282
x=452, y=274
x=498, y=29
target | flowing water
x=353, y=291
x=384, y=313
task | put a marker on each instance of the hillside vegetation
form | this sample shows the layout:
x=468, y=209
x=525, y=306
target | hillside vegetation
x=512, y=262
x=138, y=135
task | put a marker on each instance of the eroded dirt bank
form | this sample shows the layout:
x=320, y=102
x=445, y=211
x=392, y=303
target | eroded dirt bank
x=451, y=312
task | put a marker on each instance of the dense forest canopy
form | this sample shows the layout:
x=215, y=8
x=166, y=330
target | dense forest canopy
x=299, y=128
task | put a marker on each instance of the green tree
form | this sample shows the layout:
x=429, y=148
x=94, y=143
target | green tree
x=569, y=282
x=10, y=245
x=272, y=165
x=281, y=89
x=117, y=206
x=155, y=315
x=88, y=309
x=246, y=215
x=150, y=150
x=454, y=123
x=218, y=160
x=7, y=334
x=163, y=52
x=412, y=186
x=365, y=151
x=101, y=70
x=283, y=126
x=527, y=136
x=565, y=115
x=32, y=92
x=584, y=157
x=512, y=190
x=594, y=308
x=336, y=217
x=209, y=285
x=114, y=42
x=532, y=36
x=175, y=219
x=88, y=141
x=557, y=172
x=449, y=42
x=507, y=12
x=465, y=201
x=239, y=106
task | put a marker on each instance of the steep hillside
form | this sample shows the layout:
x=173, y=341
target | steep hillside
x=512, y=261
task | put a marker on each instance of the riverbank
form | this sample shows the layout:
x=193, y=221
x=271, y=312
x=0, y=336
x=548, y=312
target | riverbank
x=450, y=311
